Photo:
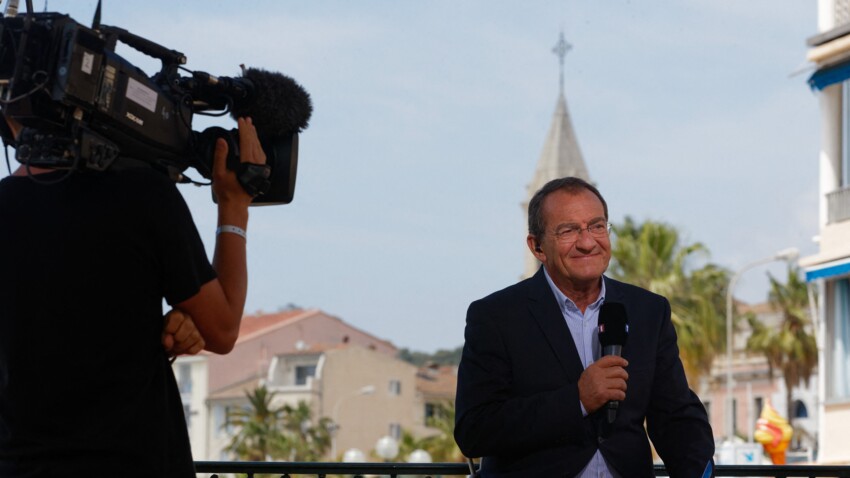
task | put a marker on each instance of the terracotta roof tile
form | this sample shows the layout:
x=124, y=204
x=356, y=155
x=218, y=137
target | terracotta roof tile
x=437, y=382
x=261, y=321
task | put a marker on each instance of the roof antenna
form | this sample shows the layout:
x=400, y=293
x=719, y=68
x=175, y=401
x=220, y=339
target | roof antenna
x=95, y=24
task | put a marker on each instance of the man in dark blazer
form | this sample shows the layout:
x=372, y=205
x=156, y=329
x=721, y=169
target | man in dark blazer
x=532, y=384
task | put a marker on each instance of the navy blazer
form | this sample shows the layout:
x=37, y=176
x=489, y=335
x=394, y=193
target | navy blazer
x=517, y=396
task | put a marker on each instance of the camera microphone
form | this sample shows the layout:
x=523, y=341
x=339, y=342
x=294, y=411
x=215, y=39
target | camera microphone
x=276, y=103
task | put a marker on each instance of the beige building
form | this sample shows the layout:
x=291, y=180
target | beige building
x=828, y=271
x=343, y=373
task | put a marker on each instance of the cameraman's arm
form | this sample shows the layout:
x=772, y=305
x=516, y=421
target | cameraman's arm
x=217, y=308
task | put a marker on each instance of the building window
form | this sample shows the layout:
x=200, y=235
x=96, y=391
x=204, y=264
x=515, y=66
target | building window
x=800, y=410
x=303, y=372
x=430, y=411
x=395, y=431
x=395, y=387
x=221, y=420
x=838, y=341
x=758, y=404
x=184, y=378
x=187, y=413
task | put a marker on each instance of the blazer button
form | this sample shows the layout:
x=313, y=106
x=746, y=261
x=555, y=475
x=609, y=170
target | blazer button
x=600, y=440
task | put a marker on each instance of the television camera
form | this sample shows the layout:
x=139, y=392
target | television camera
x=83, y=106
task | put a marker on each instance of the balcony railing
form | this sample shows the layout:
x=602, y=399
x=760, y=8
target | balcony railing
x=393, y=470
x=838, y=205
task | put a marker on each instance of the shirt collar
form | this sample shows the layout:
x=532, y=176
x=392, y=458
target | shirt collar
x=563, y=300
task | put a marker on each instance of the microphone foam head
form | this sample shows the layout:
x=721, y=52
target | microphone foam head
x=279, y=106
x=613, y=324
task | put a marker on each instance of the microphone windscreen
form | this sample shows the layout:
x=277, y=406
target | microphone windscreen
x=278, y=105
x=613, y=324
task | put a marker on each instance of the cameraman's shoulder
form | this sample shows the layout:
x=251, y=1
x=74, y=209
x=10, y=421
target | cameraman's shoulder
x=142, y=180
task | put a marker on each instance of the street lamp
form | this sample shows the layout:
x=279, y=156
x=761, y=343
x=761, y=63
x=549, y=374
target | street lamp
x=353, y=455
x=386, y=447
x=419, y=456
x=365, y=390
x=787, y=255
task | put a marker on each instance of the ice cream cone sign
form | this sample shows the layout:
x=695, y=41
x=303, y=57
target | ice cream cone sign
x=774, y=433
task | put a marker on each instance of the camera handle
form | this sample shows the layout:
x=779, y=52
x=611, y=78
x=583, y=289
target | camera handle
x=155, y=50
x=254, y=178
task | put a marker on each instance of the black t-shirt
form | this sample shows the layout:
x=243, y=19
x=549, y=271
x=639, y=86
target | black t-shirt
x=85, y=385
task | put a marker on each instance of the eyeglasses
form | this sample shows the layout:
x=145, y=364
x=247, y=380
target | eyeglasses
x=570, y=234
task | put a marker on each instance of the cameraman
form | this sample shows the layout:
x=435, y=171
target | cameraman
x=86, y=388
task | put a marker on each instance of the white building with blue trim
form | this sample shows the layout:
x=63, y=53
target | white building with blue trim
x=828, y=271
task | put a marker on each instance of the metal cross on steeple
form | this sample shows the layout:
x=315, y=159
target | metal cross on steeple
x=561, y=48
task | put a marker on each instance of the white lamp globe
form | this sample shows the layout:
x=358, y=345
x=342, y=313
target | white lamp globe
x=387, y=447
x=419, y=456
x=353, y=455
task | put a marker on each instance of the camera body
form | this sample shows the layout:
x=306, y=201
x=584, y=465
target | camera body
x=83, y=106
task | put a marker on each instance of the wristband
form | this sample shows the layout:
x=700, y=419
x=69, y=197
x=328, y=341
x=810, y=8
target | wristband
x=232, y=229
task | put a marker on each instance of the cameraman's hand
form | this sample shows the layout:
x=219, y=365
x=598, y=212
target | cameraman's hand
x=217, y=308
x=225, y=185
x=180, y=336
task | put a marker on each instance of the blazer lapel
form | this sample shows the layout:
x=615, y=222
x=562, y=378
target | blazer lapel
x=613, y=292
x=545, y=310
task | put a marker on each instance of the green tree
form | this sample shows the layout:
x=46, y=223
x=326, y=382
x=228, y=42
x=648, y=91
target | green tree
x=259, y=434
x=789, y=348
x=283, y=432
x=305, y=441
x=651, y=255
x=440, y=445
x=440, y=357
x=409, y=443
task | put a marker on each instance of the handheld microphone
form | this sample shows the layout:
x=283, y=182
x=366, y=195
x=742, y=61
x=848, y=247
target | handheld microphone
x=613, y=332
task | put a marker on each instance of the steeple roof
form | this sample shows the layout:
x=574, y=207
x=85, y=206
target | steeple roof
x=561, y=154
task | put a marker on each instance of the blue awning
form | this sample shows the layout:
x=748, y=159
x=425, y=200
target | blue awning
x=829, y=76
x=830, y=269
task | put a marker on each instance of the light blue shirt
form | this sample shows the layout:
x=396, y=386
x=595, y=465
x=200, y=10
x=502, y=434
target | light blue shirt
x=583, y=328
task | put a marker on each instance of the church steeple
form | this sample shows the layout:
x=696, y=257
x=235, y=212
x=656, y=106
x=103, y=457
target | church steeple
x=561, y=49
x=561, y=155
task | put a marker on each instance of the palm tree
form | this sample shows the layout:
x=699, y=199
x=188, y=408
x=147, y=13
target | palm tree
x=789, y=348
x=651, y=255
x=441, y=445
x=285, y=432
x=409, y=443
x=259, y=436
x=304, y=441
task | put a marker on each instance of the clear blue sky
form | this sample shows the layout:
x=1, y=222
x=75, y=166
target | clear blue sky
x=430, y=117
